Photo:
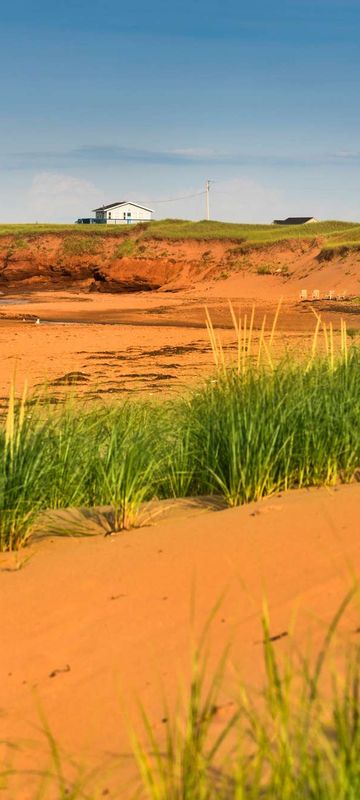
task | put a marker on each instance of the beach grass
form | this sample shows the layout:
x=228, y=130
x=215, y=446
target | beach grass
x=126, y=248
x=27, y=231
x=338, y=250
x=295, y=738
x=81, y=245
x=254, y=427
x=248, y=234
x=331, y=232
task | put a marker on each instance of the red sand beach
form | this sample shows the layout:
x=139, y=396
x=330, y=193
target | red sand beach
x=91, y=625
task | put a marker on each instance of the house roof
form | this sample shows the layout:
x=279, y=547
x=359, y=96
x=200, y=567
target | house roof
x=293, y=220
x=121, y=203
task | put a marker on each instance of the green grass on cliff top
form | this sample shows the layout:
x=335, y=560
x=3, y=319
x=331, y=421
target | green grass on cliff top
x=257, y=234
x=333, y=233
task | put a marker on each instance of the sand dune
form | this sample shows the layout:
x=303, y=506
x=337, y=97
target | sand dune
x=92, y=624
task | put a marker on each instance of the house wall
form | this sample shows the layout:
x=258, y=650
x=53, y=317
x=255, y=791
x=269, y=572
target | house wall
x=115, y=215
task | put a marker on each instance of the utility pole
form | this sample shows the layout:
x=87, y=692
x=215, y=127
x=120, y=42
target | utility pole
x=207, y=192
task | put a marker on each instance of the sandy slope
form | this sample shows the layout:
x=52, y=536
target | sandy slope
x=89, y=624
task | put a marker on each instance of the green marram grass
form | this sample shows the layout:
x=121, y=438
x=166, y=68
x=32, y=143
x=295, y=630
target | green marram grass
x=246, y=432
x=336, y=238
x=296, y=739
x=77, y=245
x=246, y=233
x=332, y=233
x=31, y=230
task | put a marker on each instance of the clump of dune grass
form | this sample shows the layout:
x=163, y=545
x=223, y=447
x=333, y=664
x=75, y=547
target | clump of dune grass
x=256, y=426
x=126, y=248
x=122, y=470
x=21, y=474
x=264, y=269
x=295, y=740
x=81, y=245
x=254, y=434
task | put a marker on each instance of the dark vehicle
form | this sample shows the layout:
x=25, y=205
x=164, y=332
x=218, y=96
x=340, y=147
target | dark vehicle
x=89, y=221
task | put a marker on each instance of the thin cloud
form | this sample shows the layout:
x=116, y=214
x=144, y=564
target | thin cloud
x=347, y=155
x=93, y=153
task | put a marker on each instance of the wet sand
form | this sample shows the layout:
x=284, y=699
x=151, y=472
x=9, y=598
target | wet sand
x=113, y=345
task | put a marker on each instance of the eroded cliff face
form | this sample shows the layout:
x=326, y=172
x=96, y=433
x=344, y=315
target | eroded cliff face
x=106, y=263
x=118, y=263
x=78, y=261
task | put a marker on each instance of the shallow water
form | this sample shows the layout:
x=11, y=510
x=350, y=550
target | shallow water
x=7, y=301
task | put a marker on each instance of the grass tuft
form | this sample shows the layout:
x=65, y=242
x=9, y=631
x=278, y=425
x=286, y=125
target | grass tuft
x=297, y=741
x=256, y=427
x=81, y=245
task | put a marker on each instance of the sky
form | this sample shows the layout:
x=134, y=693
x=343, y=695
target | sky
x=105, y=101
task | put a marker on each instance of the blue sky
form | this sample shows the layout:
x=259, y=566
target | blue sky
x=104, y=101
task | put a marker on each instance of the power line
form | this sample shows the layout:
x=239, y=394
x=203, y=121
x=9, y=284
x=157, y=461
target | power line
x=174, y=199
x=188, y=196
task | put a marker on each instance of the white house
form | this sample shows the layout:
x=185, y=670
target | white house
x=123, y=213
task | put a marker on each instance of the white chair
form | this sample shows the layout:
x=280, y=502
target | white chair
x=316, y=294
x=303, y=294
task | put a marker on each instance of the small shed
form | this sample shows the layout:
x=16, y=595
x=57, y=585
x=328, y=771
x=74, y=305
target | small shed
x=295, y=221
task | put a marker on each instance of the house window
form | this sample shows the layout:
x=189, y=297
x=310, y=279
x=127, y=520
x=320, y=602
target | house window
x=129, y=213
x=124, y=215
x=109, y=214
